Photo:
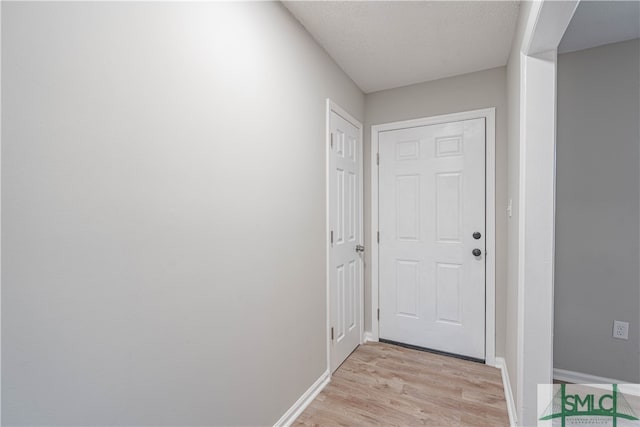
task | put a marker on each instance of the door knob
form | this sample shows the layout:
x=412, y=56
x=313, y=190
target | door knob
x=476, y=235
x=476, y=252
x=359, y=248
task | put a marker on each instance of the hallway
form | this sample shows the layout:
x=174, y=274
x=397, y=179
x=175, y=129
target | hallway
x=385, y=384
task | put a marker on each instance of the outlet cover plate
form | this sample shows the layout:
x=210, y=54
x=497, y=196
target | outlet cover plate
x=621, y=330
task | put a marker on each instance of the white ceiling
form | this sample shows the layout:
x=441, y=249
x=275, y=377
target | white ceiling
x=596, y=23
x=382, y=45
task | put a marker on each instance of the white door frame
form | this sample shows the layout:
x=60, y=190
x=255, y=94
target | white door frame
x=489, y=114
x=332, y=106
x=546, y=24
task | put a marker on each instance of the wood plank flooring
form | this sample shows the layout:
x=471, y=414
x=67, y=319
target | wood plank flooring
x=383, y=384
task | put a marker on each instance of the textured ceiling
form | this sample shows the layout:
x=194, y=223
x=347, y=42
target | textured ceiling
x=382, y=45
x=596, y=23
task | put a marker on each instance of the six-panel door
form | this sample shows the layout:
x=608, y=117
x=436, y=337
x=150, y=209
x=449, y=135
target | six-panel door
x=345, y=220
x=431, y=202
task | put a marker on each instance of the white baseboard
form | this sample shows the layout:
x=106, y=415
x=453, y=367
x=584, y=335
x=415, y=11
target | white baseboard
x=307, y=397
x=580, y=378
x=368, y=336
x=508, y=393
x=595, y=381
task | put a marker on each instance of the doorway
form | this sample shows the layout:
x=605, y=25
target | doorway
x=433, y=216
x=345, y=234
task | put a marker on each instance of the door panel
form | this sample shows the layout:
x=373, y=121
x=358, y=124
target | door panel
x=345, y=220
x=431, y=201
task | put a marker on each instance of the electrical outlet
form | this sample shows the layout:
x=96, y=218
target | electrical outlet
x=621, y=330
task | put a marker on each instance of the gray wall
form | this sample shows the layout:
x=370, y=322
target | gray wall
x=597, y=220
x=472, y=91
x=155, y=269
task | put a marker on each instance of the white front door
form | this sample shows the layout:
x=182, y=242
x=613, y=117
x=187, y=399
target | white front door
x=432, y=237
x=345, y=223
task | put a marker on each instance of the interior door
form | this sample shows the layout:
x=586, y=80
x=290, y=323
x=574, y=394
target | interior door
x=345, y=253
x=432, y=237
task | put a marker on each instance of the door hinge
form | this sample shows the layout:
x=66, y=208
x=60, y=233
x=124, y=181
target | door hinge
x=331, y=139
x=378, y=159
x=378, y=237
x=331, y=333
x=331, y=237
x=378, y=314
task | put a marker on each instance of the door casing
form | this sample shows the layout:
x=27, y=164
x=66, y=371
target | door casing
x=489, y=114
x=332, y=106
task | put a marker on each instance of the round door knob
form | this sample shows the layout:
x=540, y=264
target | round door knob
x=476, y=235
x=476, y=252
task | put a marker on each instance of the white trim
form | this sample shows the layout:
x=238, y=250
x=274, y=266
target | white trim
x=373, y=211
x=530, y=27
x=580, y=378
x=489, y=114
x=537, y=218
x=508, y=393
x=595, y=381
x=549, y=25
x=332, y=106
x=0, y=208
x=368, y=337
x=301, y=404
x=490, y=242
x=327, y=149
x=521, y=246
x=546, y=23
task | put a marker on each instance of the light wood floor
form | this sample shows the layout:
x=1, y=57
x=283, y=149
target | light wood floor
x=383, y=384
